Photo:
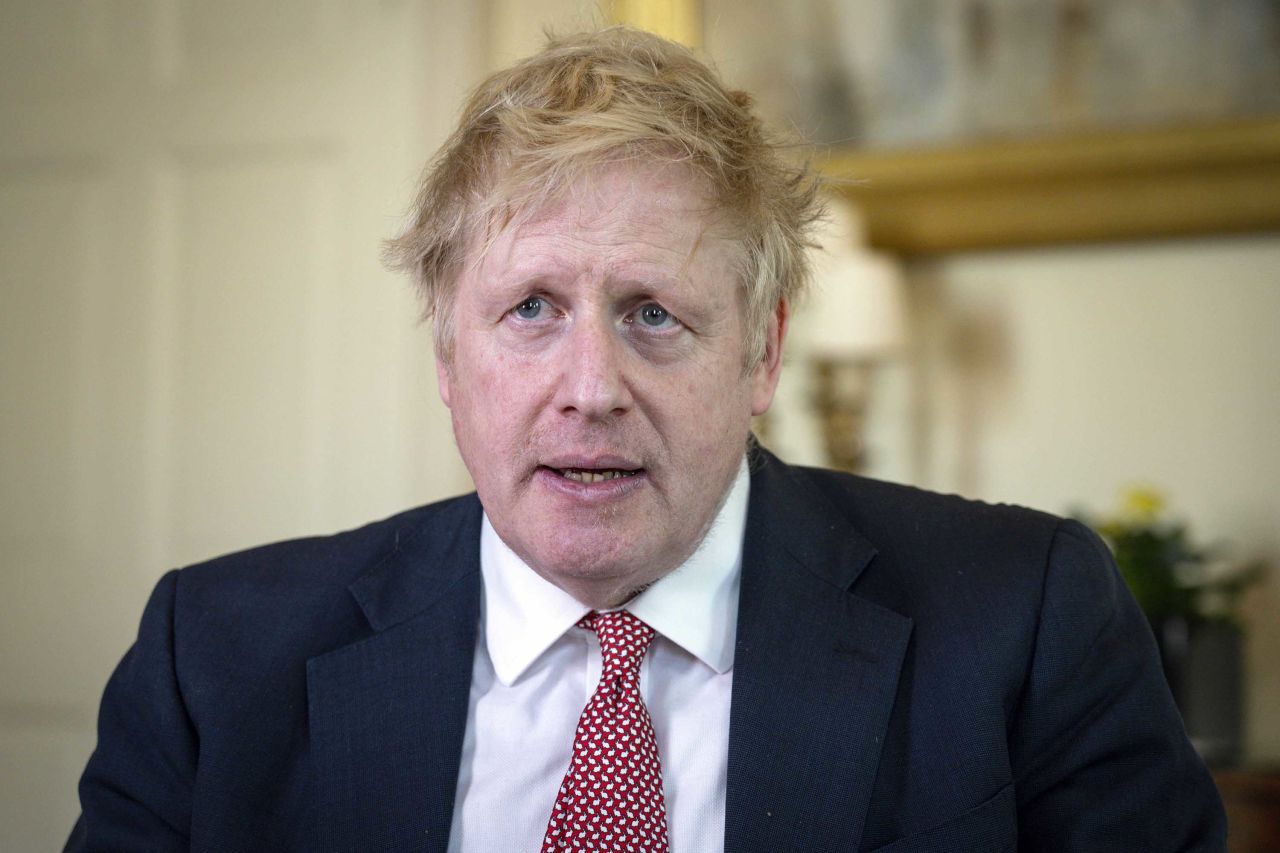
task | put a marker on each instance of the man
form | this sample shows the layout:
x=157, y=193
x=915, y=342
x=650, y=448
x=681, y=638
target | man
x=641, y=632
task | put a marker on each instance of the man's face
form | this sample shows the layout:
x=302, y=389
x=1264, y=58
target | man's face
x=596, y=382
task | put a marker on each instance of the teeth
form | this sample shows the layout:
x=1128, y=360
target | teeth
x=581, y=475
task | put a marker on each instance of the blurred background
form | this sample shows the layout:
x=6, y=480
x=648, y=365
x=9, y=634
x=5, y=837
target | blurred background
x=1051, y=277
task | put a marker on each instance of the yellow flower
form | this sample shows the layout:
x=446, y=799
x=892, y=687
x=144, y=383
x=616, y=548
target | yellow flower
x=1141, y=504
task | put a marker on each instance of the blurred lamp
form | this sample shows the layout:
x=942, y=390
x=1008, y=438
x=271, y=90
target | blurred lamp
x=854, y=321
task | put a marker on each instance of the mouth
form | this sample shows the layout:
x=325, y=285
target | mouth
x=594, y=475
x=595, y=479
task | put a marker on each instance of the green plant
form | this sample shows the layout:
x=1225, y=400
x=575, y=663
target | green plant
x=1170, y=575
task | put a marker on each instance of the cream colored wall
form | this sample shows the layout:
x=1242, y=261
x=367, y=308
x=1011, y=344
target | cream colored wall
x=517, y=28
x=1054, y=377
x=199, y=349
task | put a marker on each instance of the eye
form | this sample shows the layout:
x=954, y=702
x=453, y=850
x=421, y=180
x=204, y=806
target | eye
x=529, y=309
x=653, y=316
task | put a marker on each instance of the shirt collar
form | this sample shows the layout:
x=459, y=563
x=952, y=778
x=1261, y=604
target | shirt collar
x=695, y=606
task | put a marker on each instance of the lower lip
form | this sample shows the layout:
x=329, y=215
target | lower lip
x=601, y=490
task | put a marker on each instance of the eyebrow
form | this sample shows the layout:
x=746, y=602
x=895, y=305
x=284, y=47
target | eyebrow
x=648, y=275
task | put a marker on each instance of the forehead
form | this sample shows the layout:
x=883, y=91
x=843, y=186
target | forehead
x=626, y=217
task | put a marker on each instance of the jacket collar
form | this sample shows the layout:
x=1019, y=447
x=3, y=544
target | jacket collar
x=815, y=672
x=388, y=713
x=426, y=562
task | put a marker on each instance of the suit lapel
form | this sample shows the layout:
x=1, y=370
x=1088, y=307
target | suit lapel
x=388, y=713
x=815, y=674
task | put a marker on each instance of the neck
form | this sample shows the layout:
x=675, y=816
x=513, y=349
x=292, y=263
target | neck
x=604, y=593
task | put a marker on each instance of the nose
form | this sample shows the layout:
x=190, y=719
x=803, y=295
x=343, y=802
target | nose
x=593, y=381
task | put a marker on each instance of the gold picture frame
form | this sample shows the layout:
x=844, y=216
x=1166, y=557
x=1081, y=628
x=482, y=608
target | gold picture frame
x=1095, y=186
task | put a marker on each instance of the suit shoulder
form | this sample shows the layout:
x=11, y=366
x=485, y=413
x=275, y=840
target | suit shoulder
x=269, y=607
x=880, y=505
x=335, y=559
x=936, y=547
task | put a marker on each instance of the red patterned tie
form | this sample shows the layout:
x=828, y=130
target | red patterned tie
x=611, y=797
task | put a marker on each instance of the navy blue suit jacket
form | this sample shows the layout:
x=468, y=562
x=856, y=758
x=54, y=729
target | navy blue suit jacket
x=912, y=672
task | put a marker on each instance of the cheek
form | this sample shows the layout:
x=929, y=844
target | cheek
x=708, y=409
x=492, y=400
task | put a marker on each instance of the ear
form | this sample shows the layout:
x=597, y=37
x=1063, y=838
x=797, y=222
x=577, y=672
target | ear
x=443, y=376
x=764, y=380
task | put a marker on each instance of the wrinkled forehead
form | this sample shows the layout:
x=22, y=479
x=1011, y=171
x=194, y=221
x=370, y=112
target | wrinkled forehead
x=666, y=210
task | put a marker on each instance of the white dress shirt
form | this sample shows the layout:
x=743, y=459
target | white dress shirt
x=535, y=670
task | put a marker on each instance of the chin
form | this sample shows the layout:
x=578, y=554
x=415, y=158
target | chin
x=583, y=565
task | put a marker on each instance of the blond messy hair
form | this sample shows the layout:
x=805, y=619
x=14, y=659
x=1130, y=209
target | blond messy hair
x=528, y=133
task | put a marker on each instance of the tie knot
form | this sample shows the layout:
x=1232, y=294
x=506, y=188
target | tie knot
x=624, y=639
